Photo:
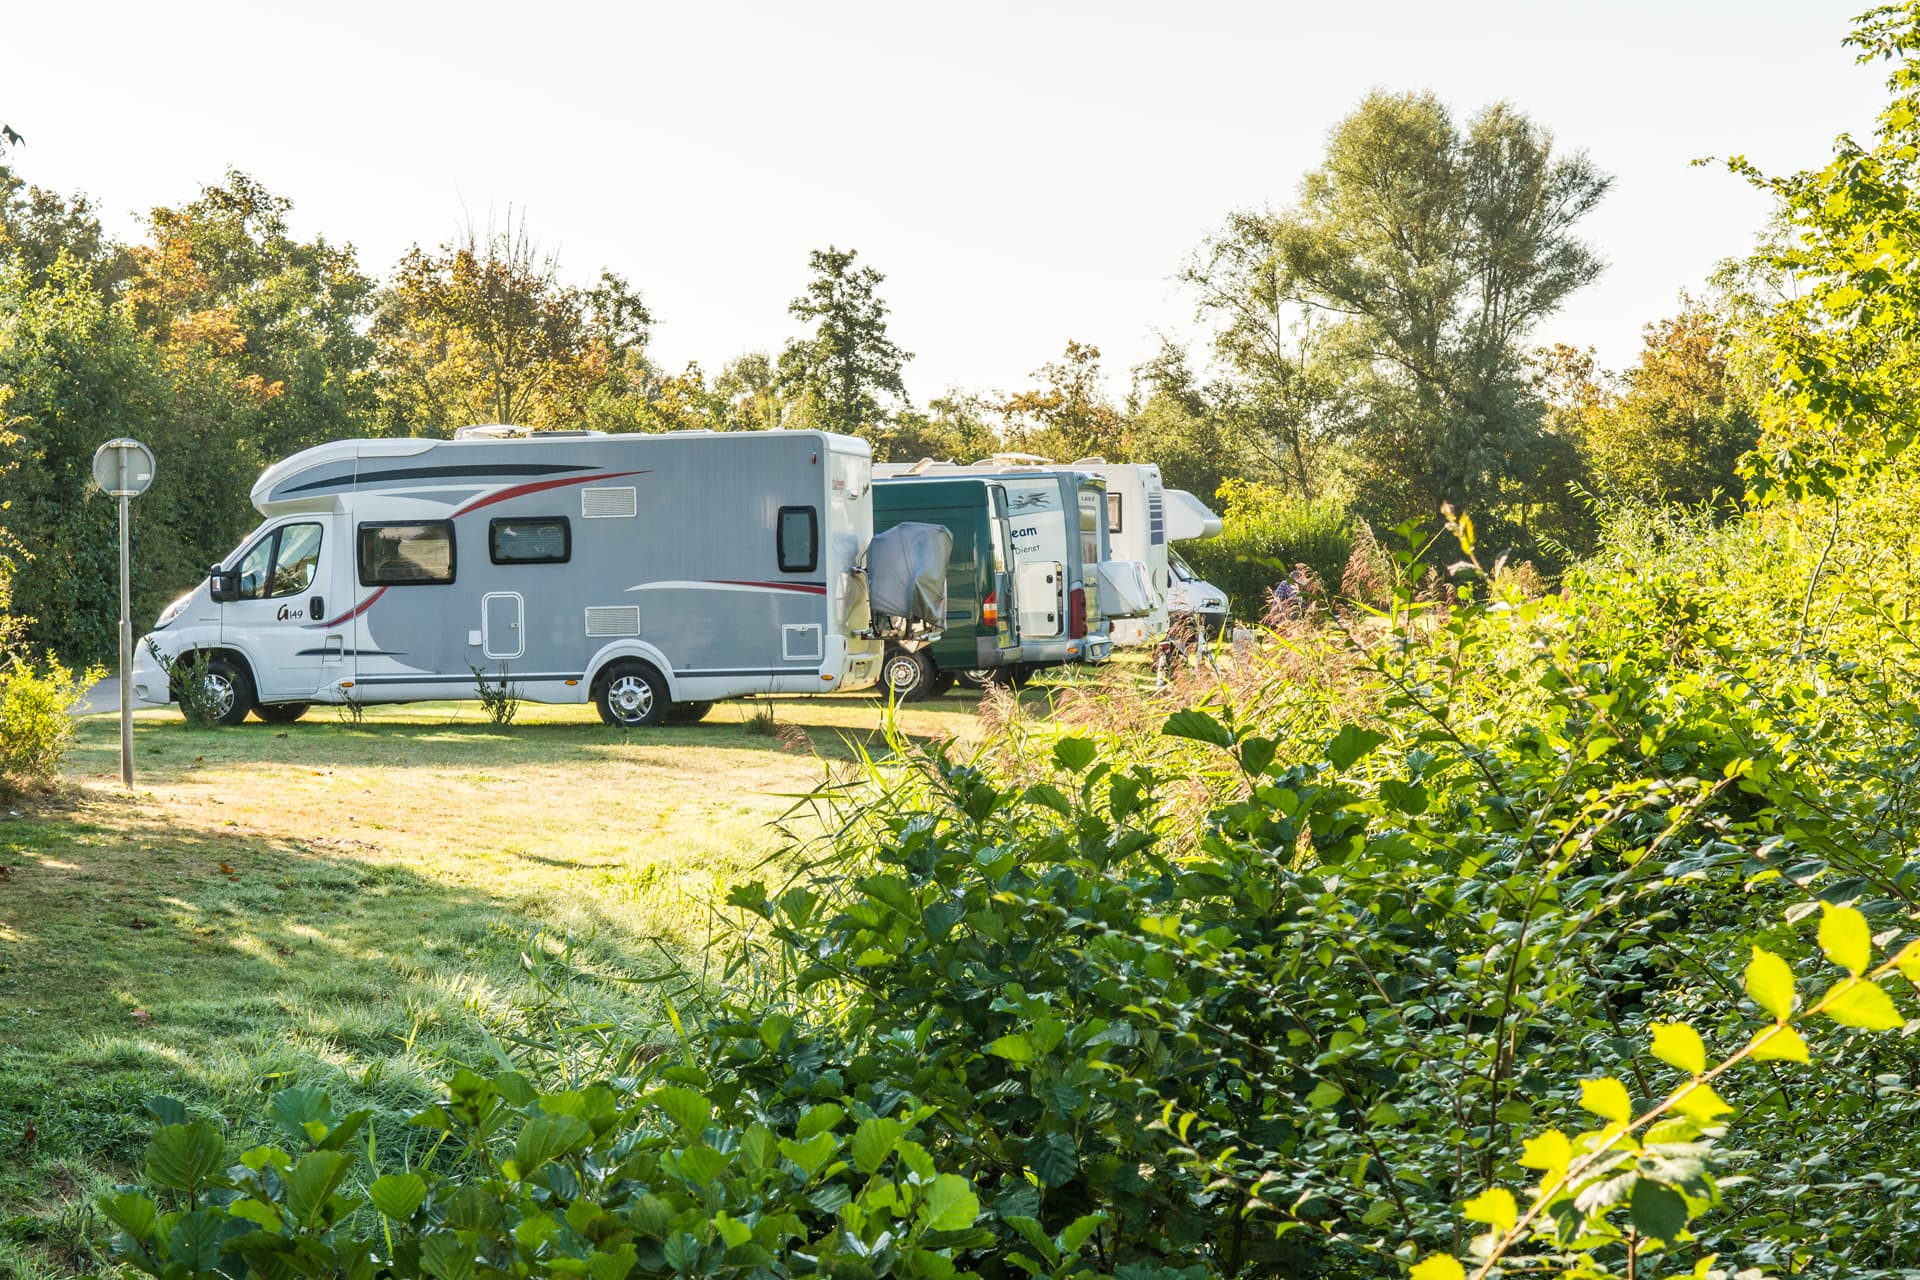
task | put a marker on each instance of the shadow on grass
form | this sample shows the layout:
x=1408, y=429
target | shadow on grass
x=140, y=958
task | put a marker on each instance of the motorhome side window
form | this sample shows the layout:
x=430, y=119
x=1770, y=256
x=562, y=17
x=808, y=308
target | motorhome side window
x=799, y=539
x=1113, y=513
x=546, y=540
x=281, y=564
x=397, y=555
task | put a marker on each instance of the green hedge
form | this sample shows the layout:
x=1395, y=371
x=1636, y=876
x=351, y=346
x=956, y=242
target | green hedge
x=1266, y=534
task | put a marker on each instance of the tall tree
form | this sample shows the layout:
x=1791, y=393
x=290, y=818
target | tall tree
x=1286, y=399
x=1431, y=251
x=848, y=371
x=485, y=330
x=1068, y=415
x=1671, y=429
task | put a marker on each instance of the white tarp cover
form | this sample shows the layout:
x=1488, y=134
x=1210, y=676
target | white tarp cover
x=907, y=573
x=1126, y=589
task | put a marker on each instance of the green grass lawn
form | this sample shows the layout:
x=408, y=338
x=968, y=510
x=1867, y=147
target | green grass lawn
x=348, y=905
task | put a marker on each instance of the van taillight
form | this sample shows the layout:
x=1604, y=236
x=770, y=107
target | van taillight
x=990, y=609
x=1077, y=614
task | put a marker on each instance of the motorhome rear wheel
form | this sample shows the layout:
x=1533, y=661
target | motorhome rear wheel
x=908, y=676
x=632, y=695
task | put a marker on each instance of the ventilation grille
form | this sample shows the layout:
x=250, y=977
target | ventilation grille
x=605, y=504
x=613, y=619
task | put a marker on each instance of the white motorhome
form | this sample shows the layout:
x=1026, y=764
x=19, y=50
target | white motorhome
x=1143, y=518
x=650, y=574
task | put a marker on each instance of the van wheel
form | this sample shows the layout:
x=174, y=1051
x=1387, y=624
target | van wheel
x=980, y=677
x=943, y=683
x=632, y=695
x=908, y=676
x=281, y=712
x=688, y=712
x=231, y=688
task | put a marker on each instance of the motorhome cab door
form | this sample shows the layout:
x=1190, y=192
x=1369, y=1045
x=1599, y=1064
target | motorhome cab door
x=286, y=587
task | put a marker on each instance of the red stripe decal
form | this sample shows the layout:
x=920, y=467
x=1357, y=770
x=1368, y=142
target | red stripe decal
x=522, y=490
x=350, y=614
x=810, y=588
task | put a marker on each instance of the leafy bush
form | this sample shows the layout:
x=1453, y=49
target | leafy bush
x=36, y=722
x=655, y=1176
x=1266, y=533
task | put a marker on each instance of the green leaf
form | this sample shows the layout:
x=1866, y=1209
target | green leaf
x=615, y=1265
x=1045, y=793
x=132, y=1212
x=1074, y=754
x=812, y=1153
x=1779, y=1041
x=1437, y=1266
x=444, y=1257
x=1324, y=1095
x=819, y=1119
x=690, y=1112
x=732, y=1230
x=1679, y=1045
x=1845, y=938
x=1078, y=1230
x=183, y=1156
x=950, y=1204
x=546, y=1137
x=1055, y=1158
x=1350, y=744
x=1909, y=962
x=398, y=1194
x=1408, y=797
x=1197, y=725
x=873, y=1142
x=1607, y=1098
x=1656, y=1210
x=1014, y=1048
x=310, y=1182
x=1495, y=1207
x=1859, y=1003
x=1770, y=984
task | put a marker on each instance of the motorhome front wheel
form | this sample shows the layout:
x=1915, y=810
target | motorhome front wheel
x=632, y=695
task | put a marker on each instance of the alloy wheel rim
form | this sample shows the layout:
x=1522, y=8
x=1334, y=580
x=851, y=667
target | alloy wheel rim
x=631, y=698
x=903, y=674
x=220, y=692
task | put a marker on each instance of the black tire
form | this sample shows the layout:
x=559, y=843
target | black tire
x=281, y=712
x=237, y=682
x=908, y=676
x=943, y=682
x=688, y=712
x=631, y=695
x=986, y=677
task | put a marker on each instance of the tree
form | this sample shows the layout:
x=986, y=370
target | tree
x=849, y=368
x=1671, y=429
x=955, y=427
x=1425, y=254
x=1069, y=415
x=484, y=330
x=1839, y=340
x=1286, y=399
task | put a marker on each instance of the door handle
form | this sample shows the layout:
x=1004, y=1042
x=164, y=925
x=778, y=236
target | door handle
x=317, y=608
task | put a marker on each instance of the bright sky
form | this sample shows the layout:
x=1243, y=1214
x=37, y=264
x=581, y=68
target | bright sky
x=1024, y=173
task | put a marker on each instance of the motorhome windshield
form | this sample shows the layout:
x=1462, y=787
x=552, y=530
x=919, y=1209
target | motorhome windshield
x=1181, y=569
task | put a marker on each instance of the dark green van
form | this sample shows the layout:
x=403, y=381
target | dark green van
x=980, y=636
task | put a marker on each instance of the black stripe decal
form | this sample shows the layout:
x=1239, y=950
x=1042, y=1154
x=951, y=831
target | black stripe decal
x=441, y=473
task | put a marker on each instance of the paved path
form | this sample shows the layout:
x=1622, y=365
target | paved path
x=101, y=699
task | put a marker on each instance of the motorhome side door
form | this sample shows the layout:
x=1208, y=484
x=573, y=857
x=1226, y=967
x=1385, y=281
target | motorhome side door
x=286, y=587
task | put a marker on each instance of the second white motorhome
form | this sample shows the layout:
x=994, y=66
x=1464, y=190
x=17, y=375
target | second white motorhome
x=650, y=574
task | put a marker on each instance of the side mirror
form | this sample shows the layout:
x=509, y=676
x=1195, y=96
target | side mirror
x=223, y=584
